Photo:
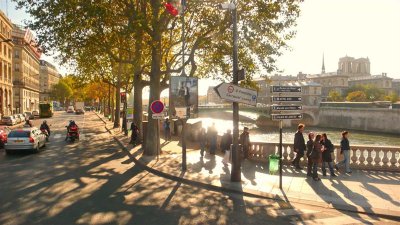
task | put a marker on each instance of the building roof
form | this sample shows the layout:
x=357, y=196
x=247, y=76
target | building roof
x=374, y=77
x=325, y=75
x=304, y=83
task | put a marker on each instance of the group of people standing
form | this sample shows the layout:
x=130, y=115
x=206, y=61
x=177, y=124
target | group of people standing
x=319, y=151
x=209, y=139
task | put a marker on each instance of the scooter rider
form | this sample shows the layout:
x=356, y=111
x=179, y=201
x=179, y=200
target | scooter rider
x=71, y=124
x=46, y=127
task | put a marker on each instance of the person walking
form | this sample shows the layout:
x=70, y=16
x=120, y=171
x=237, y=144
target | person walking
x=167, y=130
x=299, y=146
x=244, y=140
x=327, y=155
x=203, y=141
x=310, y=145
x=135, y=134
x=316, y=157
x=345, y=150
x=212, y=137
x=226, y=142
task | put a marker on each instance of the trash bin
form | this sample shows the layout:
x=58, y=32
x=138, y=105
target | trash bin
x=273, y=164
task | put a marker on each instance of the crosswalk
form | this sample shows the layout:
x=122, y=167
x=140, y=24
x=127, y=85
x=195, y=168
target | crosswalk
x=81, y=136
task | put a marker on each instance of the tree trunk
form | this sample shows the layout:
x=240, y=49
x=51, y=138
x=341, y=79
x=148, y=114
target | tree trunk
x=109, y=100
x=112, y=104
x=152, y=147
x=117, y=121
x=138, y=105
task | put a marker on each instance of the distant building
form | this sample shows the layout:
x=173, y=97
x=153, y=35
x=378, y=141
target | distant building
x=310, y=92
x=212, y=97
x=330, y=82
x=6, y=74
x=26, y=70
x=352, y=67
x=396, y=86
x=49, y=76
x=380, y=81
x=264, y=86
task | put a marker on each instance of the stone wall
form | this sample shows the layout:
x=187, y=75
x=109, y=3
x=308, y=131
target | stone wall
x=378, y=120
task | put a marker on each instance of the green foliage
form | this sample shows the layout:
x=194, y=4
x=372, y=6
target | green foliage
x=335, y=96
x=61, y=91
x=393, y=97
x=371, y=92
x=356, y=96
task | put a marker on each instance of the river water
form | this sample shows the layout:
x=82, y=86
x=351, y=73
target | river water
x=272, y=135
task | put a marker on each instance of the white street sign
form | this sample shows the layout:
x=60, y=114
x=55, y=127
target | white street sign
x=158, y=116
x=297, y=116
x=235, y=93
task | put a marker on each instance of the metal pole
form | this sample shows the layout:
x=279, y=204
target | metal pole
x=183, y=133
x=280, y=154
x=236, y=170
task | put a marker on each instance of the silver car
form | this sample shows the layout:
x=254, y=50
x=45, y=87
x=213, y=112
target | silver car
x=25, y=139
x=8, y=120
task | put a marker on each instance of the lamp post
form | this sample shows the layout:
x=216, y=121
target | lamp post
x=183, y=133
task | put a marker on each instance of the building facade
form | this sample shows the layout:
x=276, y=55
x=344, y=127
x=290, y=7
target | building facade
x=6, y=74
x=380, y=81
x=49, y=76
x=26, y=70
x=330, y=82
x=396, y=86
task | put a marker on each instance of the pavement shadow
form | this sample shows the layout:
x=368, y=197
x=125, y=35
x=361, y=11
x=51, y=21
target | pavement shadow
x=379, y=193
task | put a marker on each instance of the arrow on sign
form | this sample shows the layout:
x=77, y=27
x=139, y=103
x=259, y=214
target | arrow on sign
x=286, y=99
x=286, y=107
x=281, y=89
x=287, y=116
x=235, y=93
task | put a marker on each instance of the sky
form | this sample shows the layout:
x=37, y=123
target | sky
x=335, y=28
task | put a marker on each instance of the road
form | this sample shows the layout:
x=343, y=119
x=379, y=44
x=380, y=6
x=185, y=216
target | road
x=92, y=181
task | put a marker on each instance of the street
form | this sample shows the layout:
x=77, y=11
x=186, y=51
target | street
x=92, y=181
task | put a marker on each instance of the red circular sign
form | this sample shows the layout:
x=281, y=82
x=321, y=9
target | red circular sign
x=157, y=106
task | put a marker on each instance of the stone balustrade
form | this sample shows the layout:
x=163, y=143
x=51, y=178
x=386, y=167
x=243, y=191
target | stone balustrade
x=362, y=157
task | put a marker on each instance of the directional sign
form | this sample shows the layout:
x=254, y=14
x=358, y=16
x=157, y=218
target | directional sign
x=157, y=106
x=286, y=99
x=286, y=107
x=235, y=93
x=298, y=116
x=282, y=89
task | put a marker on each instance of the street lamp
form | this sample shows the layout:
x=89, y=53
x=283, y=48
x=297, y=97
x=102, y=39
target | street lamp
x=235, y=170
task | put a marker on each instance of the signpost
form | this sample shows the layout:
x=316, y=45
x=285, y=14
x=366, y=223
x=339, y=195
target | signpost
x=235, y=93
x=286, y=107
x=280, y=117
x=157, y=107
x=297, y=116
x=286, y=99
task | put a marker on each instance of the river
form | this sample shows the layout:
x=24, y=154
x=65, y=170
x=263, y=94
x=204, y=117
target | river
x=272, y=135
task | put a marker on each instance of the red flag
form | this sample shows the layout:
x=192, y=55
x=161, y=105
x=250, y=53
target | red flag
x=173, y=7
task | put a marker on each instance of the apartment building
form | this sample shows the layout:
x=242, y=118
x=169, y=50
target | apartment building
x=6, y=75
x=49, y=76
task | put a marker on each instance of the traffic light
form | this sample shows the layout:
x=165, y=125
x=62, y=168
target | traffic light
x=123, y=97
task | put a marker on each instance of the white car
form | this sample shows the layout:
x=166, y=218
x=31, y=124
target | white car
x=25, y=139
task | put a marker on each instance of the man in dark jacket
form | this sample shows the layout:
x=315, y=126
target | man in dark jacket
x=299, y=146
x=244, y=140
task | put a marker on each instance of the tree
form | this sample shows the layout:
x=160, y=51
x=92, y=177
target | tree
x=371, y=92
x=335, y=96
x=61, y=92
x=393, y=97
x=356, y=96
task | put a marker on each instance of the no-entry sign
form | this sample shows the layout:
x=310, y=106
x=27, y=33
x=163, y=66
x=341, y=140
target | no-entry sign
x=157, y=106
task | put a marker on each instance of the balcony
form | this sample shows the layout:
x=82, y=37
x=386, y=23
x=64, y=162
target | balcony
x=23, y=84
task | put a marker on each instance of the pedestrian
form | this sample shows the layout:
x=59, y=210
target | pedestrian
x=212, y=138
x=135, y=134
x=244, y=140
x=167, y=130
x=310, y=145
x=316, y=157
x=299, y=146
x=203, y=141
x=226, y=142
x=345, y=151
x=327, y=155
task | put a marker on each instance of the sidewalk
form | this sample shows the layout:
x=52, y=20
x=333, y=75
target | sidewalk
x=362, y=191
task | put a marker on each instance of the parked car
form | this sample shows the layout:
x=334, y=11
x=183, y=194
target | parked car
x=17, y=118
x=30, y=115
x=25, y=139
x=70, y=109
x=8, y=120
x=35, y=114
x=22, y=117
x=79, y=111
x=3, y=135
